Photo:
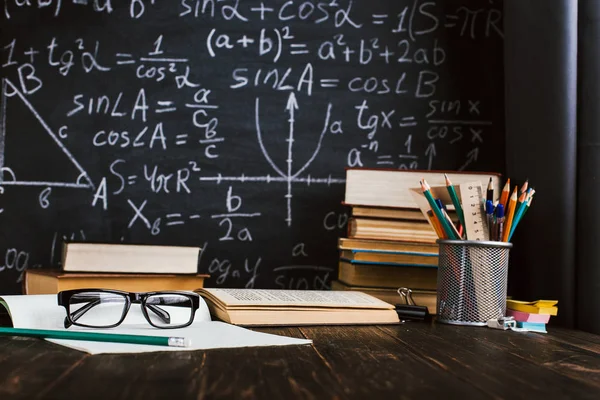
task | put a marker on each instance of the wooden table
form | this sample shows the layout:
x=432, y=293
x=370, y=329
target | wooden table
x=411, y=361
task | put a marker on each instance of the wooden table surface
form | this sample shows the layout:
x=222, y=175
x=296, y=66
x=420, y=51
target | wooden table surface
x=409, y=361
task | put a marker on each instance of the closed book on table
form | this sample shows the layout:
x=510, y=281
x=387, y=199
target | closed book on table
x=391, y=188
x=427, y=298
x=372, y=228
x=50, y=282
x=388, y=276
x=389, y=257
x=130, y=258
x=387, y=245
x=387, y=213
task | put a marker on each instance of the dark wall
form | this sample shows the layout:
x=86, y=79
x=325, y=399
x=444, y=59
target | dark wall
x=229, y=124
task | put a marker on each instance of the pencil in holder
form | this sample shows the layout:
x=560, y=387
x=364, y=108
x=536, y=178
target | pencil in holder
x=472, y=280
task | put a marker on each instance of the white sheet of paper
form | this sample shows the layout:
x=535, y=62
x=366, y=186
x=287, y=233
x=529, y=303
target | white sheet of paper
x=43, y=312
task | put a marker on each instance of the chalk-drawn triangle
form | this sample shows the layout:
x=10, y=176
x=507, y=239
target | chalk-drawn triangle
x=8, y=176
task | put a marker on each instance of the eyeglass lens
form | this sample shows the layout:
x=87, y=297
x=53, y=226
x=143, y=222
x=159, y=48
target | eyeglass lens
x=97, y=309
x=169, y=310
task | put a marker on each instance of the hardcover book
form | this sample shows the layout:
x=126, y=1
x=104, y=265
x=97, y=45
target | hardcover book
x=129, y=258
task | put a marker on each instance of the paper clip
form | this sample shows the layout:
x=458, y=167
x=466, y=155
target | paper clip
x=502, y=323
x=410, y=311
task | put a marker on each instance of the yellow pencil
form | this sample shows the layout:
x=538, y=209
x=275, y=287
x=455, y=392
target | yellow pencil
x=512, y=204
x=437, y=227
x=505, y=193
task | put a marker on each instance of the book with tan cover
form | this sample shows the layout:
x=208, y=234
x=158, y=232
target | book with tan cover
x=427, y=298
x=388, y=258
x=390, y=188
x=296, y=307
x=388, y=276
x=129, y=258
x=386, y=245
x=50, y=282
x=407, y=214
x=372, y=228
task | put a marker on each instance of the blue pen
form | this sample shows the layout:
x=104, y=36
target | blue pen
x=499, y=221
x=489, y=212
x=440, y=204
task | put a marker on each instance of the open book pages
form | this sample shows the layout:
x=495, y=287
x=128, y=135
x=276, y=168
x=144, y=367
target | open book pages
x=43, y=312
x=296, y=307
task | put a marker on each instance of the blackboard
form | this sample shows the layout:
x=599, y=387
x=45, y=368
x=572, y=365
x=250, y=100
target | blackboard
x=229, y=124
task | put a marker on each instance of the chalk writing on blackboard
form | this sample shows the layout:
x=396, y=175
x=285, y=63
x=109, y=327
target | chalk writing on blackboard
x=229, y=124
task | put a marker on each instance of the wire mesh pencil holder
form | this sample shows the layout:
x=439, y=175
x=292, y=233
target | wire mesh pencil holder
x=471, y=284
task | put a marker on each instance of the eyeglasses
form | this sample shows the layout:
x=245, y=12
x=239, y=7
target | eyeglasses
x=103, y=308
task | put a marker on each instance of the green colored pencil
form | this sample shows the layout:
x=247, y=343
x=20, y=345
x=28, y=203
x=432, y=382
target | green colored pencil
x=437, y=211
x=97, y=337
x=519, y=217
x=455, y=201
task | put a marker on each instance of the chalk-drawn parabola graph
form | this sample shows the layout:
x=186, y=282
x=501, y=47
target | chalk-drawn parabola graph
x=290, y=177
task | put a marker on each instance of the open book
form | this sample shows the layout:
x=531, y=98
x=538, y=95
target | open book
x=43, y=312
x=296, y=307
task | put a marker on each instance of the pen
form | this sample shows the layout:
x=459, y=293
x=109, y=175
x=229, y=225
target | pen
x=98, y=337
x=499, y=222
x=489, y=212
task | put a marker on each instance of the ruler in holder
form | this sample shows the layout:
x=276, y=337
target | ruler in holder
x=471, y=195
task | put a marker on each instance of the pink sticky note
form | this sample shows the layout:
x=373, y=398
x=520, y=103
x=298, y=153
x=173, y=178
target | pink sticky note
x=526, y=317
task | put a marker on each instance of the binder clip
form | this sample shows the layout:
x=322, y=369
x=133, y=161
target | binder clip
x=410, y=311
x=502, y=323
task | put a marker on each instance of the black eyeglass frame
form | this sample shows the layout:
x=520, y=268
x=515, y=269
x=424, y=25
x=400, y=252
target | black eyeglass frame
x=64, y=298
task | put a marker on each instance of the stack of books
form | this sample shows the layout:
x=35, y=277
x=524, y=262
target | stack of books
x=127, y=267
x=390, y=242
x=533, y=315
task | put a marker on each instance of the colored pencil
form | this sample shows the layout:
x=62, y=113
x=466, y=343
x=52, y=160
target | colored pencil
x=524, y=187
x=436, y=210
x=436, y=225
x=505, y=193
x=455, y=201
x=520, y=203
x=97, y=337
x=512, y=204
x=521, y=212
x=451, y=223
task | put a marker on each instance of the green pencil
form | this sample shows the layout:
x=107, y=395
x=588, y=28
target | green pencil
x=97, y=337
x=455, y=201
x=437, y=211
x=520, y=215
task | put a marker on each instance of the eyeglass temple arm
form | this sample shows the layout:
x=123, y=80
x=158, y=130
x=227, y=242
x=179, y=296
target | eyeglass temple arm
x=162, y=314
